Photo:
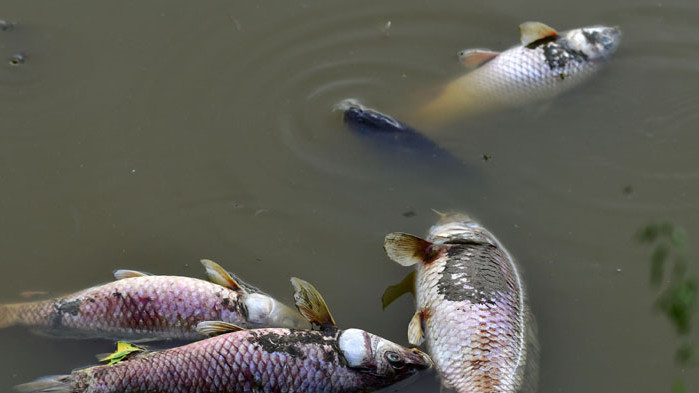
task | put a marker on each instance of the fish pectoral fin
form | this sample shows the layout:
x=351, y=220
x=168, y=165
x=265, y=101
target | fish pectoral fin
x=311, y=304
x=218, y=275
x=124, y=351
x=473, y=58
x=125, y=273
x=534, y=31
x=393, y=292
x=416, y=334
x=216, y=328
x=407, y=250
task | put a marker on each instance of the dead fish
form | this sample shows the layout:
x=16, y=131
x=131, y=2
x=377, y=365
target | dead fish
x=545, y=64
x=142, y=307
x=471, y=307
x=260, y=360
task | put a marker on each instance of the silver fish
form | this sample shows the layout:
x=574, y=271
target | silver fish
x=260, y=360
x=471, y=307
x=545, y=64
x=141, y=307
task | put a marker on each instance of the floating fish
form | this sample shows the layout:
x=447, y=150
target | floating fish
x=260, y=360
x=386, y=131
x=142, y=307
x=471, y=307
x=544, y=65
x=410, y=149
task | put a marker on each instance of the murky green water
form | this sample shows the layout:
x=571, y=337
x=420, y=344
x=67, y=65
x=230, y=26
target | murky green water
x=150, y=135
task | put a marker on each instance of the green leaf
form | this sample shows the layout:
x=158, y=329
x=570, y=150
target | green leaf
x=122, y=352
x=678, y=303
x=657, y=264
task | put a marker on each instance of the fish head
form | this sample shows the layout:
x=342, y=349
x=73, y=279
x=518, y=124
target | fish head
x=596, y=42
x=450, y=226
x=375, y=356
x=265, y=311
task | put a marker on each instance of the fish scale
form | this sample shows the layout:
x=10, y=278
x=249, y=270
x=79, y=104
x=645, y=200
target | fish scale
x=471, y=308
x=167, y=307
x=280, y=360
x=546, y=64
x=474, y=345
x=515, y=76
x=259, y=360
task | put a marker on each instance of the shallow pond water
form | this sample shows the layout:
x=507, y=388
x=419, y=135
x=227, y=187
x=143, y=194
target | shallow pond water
x=151, y=135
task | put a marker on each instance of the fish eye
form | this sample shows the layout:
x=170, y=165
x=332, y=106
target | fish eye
x=394, y=359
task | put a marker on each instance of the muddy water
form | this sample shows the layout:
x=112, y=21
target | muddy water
x=150, y=135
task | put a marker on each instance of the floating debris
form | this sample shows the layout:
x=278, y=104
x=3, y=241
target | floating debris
x=17, y=59
x=6, y=26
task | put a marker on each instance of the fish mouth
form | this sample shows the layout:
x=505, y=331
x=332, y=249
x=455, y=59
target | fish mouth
x=450, y=225
x=426, y=360
x=417, y=360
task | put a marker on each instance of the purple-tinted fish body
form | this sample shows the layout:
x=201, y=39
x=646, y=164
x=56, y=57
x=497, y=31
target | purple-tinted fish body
x=138, y=308
x=471, y=308
x=262, y=360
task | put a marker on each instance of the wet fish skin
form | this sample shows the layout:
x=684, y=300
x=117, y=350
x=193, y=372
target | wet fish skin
x=536, y=70
x=261, y=360
x=146, y=308
x=411, y=149
x=471, y=308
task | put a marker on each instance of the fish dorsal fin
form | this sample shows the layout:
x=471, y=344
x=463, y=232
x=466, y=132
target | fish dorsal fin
x=311, y=305
x=473, y=58
x=416, y=334
x=408, y=250
x=124, y=273
x=124, y=351
x=216, y=328
x=534, y=31
x=218, y=275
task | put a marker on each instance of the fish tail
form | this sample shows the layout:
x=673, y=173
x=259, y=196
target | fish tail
x=50, y=384
x=9, y=315
x=455, y=101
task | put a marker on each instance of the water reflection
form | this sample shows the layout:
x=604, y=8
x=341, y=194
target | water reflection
x=677, y=288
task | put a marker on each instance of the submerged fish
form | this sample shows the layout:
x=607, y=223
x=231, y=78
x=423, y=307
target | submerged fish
x=392, y=136
x=470, y=306
x=143, y=307
x=544, y=65
x=261, y=360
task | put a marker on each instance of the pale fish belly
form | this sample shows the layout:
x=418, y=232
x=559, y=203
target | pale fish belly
x=474, y=319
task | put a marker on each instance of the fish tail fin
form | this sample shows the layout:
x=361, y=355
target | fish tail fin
x=9, y=315
x=455, y=101
x=50, y=384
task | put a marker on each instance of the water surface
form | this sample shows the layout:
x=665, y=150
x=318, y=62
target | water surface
x=151, y=135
